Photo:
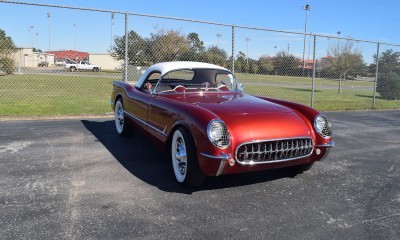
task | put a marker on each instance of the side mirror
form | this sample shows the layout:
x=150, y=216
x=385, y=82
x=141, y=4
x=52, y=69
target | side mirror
x=241, y=87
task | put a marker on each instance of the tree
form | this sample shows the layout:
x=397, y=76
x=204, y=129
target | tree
x=195, y=43
x=388, y=84
x=265, y=65
x=7, y=48
x=137, y=49
x=285, y=64
x=346, y=61
x=241, y=63
x=214, y=55
x=168, y=45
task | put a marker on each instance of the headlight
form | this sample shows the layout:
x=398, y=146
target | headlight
x=218, y=134
x=323, y=126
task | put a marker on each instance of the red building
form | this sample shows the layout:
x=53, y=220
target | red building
x=70, y=54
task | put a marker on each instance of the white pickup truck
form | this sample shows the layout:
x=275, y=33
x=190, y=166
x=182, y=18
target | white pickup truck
x=82, y=65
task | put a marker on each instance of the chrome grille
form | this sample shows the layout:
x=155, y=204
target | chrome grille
x=274, y=150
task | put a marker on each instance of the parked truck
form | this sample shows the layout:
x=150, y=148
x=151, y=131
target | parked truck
x=82, y=65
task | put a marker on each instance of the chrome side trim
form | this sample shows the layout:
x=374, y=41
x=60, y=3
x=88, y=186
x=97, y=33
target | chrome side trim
x=274, y=161
x=327, y=145
x=145, y=123
x=223, y=157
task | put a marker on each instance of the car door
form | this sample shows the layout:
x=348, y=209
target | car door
x=137, y=106
x=160, y=117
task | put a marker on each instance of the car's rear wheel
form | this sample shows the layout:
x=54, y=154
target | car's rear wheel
x=184, y=159
x=72, y=69
x=95, y=69
x=122, y=127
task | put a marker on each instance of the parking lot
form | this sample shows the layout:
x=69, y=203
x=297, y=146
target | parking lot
x=76, y=179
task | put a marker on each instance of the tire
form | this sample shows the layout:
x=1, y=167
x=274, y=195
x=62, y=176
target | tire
x=95, y=69
x=184, y=159
x=123, y=128
x=299, y=169
x=72, y=69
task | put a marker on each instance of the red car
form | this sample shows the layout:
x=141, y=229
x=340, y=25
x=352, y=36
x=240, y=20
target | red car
x=200, y=114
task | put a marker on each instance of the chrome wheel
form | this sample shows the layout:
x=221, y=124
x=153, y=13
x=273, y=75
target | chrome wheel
x=179, y=156
x=119, y=117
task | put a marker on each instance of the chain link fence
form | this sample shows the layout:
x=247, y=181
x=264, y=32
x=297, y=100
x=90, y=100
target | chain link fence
x=59, y=63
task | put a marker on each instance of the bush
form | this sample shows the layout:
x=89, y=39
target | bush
x=7, y=65
x=389, y=85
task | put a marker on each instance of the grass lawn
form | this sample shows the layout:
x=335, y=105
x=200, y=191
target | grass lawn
x=38, y=95
x=49, y=95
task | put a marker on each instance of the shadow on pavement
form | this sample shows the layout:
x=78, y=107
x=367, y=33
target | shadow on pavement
x=139, y=156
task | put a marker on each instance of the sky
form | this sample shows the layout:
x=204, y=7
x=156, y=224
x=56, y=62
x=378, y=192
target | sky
x=92, y=31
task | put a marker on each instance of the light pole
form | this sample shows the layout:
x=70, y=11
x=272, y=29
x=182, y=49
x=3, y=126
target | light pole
x=30, y=36
x=247, y=54
x=37, y=40
x=338, y=33
x=112, y=24
x=74, y=37
x=49, y=16
x=218, y=36
x=307, y=9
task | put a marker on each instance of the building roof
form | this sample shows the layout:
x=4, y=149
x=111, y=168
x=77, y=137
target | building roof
x=70, y=54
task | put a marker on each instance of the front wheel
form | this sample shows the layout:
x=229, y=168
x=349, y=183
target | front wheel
x=72, y=69
x=96, y=69
x=122, y=127
x=184, y=159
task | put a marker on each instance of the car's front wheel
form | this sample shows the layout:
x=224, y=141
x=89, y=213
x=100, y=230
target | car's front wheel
x=96, y=69
x=122, y=127
x=184, y=159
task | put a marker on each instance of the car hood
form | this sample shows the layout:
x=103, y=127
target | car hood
x=232, y=104
x=250, y=118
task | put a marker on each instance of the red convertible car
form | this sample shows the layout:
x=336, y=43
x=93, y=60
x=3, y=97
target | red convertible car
x=201, y=115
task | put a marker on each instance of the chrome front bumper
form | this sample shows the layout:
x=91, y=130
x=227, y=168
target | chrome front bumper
x=223, y=158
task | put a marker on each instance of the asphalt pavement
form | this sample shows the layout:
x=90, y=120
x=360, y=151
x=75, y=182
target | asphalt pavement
x=76, y=179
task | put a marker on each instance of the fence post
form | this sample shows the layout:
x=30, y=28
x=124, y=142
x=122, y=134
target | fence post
x=376, y=75
x=126, y=49
x=313, y=73
x=233, y=48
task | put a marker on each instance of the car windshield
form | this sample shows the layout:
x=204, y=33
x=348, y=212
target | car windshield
x=196, y=80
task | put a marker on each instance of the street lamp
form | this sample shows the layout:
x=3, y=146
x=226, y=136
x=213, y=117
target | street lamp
x=307, y=9
x=218, y=36
x=112, y=24
x=74, y=37
x=338, y=33
x=247, y=54
x=49, y=16
x=30, y=36
x=37, y=40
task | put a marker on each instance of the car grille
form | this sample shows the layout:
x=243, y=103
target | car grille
x=274, y=151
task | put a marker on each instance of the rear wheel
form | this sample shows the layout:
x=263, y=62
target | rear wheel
x=184, y=159
x=72, y=69
x=122, y=127
x=95, y=69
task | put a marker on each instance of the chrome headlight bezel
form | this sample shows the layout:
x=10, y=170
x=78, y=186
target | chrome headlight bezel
x=322, y=126
x=218, y=134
